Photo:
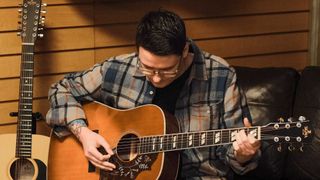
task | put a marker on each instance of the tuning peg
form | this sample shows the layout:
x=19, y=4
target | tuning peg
x=18, y=33
x=40, y=29
x=302, y=118
x=40, y=35
x=44, y=4
x=290, y=120
x=279, y=148
x=301, y=148
x=41, y=23
x=43, y=11
x=20, y=5
x=20, y=10
x=281, y=120
x=291, y=147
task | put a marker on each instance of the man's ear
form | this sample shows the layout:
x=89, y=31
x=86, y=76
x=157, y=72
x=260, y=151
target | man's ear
x=185, y=50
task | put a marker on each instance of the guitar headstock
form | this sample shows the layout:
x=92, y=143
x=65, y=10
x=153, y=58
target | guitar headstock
x=296, y=133
x=32, y=21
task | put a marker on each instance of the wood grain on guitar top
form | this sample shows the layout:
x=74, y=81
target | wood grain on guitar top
x=40, y=151
x=67, y=160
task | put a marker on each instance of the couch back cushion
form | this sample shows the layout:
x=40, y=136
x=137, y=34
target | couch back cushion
x=306, y=164
x=270, y=95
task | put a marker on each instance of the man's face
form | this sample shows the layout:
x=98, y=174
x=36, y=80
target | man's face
x=160, y=70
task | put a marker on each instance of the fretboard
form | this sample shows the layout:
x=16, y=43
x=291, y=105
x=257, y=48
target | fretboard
x=24, y=128
x=179, y=141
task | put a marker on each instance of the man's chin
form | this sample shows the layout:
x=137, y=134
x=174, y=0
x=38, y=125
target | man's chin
x=159, y=85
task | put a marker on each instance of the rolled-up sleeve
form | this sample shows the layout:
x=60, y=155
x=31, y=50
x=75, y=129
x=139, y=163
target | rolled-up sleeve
x=65, y=98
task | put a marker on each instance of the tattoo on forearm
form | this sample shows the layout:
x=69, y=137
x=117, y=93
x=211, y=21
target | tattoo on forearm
x=76, y=129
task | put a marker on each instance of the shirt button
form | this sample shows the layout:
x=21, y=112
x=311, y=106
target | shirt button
x=208, y=111
x=151, y=92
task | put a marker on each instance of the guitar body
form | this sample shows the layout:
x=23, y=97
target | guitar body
x=67, y=160
x=30, y=168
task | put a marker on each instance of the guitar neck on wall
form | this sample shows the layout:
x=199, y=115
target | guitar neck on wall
x=24, y=155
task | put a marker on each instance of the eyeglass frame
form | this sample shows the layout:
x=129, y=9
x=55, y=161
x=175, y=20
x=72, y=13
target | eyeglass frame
x=163, y=73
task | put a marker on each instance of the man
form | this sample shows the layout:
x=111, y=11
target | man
x=170, y=71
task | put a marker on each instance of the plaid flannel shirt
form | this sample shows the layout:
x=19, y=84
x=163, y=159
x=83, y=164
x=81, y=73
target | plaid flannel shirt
x=210, y=99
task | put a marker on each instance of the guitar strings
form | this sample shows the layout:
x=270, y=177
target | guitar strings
x=26, y=73
x=148, y=146
x=185, y=135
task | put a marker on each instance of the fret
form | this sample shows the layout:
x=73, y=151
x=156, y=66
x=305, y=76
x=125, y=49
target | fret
x=254, y=132
x=27, y=85
x=169, y=142
x=28, y=61
x=210, y=137
x=185, y=140
x=26, y=138
x=24, y=133
x=203, y=136
x=161, y=143
x=26, y=91
x=233, y=135
x=27, y=53
x=154, y=144
x=26, y=98
x=27, y=70
x=225, y=136
x=196, y=139
x=24, y=149
x=27, y=44
x=179, y=141
x=24, y=155
x=26, y=115
x=217, y=137
x=147, y=144
x=174, y=141
x=190, y=140
x=143, y=148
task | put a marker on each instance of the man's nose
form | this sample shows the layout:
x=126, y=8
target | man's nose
x=156, y=78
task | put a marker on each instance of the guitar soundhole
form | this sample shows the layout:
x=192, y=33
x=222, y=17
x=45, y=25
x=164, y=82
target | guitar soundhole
x=22, y=169
x=127, y=148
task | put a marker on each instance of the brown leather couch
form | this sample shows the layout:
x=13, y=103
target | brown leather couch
x=283, y=92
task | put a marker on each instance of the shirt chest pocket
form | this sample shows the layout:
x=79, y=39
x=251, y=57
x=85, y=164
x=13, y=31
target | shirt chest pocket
x=204, y=116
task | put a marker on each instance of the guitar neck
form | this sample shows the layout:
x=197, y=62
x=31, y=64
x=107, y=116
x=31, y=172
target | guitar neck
x=180, y=141
x=24, y=128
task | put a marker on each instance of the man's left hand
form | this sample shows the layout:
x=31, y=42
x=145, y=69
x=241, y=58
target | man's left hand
x=245, y=146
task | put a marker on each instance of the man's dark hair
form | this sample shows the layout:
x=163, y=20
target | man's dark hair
x=162, y=33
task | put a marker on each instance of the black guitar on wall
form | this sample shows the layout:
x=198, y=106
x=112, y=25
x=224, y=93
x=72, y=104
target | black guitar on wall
x=25, y=155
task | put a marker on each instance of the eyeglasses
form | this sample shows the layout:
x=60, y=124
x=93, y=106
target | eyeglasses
x=162, y=73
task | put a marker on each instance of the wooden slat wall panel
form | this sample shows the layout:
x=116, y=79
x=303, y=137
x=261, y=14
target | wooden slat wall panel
x=54, y=40
x=295, y=59
x=251, y=45
x=131, y=11
x=80, y=33
x=123, y=34
x=75, y=16
x=49, y=63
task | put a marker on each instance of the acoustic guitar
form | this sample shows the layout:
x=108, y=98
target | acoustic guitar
x=146, y=143
x=24, y=156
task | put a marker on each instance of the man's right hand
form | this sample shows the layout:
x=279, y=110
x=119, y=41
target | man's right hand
x=90, y=142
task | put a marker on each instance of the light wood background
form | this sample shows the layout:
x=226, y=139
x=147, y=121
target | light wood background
x=79, y=33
